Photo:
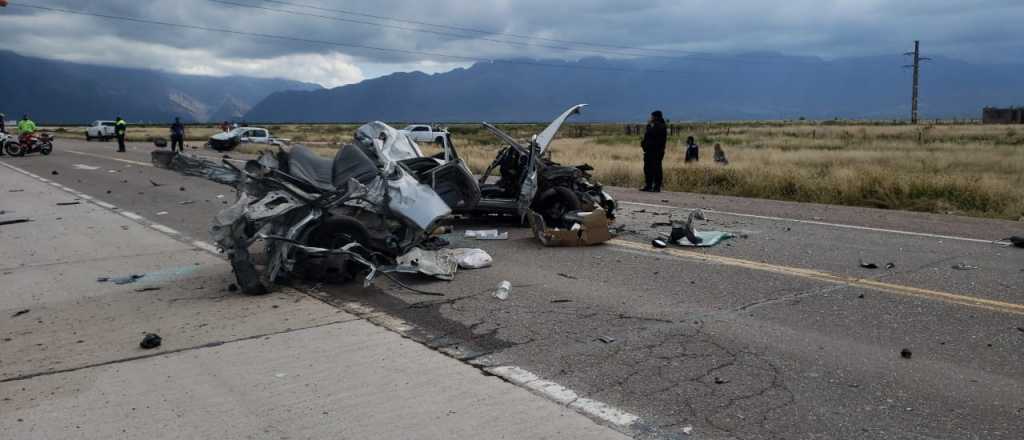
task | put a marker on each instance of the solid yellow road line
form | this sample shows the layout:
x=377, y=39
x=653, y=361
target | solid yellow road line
x=916, y=292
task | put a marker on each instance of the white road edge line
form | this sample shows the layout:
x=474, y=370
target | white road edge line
x=132, y=216
x=206, y=247
x=103, y=204
x=564, y=396
x=164, y=229
x=820, y=223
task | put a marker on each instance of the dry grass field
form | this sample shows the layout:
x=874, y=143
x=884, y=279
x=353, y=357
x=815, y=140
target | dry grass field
x=967, y=169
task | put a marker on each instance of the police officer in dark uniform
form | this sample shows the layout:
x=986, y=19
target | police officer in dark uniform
x=653, y=145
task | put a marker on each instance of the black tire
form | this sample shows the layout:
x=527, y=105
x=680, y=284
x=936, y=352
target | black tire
x=554, y=203
x=14, y=149
x=439, y=140
x=46, y=149
x=87, y=137
x=248, y=277
x=333, y=234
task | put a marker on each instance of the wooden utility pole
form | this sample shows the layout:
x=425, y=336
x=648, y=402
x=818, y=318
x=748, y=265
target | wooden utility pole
x=917, y=76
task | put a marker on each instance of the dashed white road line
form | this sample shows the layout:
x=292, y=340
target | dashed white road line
x=104, y=204
x=821, y=223
x=133, y=162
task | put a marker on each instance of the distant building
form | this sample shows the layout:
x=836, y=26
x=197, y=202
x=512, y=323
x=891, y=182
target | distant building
x=1012, y=115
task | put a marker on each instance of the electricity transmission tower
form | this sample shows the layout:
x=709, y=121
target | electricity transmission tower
x=917, y=76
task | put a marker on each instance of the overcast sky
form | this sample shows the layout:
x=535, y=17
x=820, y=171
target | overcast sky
x=975, y=31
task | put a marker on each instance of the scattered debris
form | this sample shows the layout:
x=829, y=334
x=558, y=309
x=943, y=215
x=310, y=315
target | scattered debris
x=79, y=166
x=861, y=296
x=588, y=228
x=890, y=265
x=565, y=275
x=559, y=301
x=720, y=381
x=151, y=340
x=19, y=313
x=113, y=171
x=684, y=229
x=659, y=243
x=906, y=353
x=1020, y=329
x=76, y=202
x=187, y=202
x=661, y=224
x=15, y=190
x=121, y=280
x=606, y=339
x=147, y=289
x=490, y=234
x=220, y=196
x=868, y=265
x=54, y=172
x=162, y=213
x=687, y=430
x=151, y=182
x=504, y=288
x=472, y=258
x=181, y=188
x=964, y=266
x=109, y=191
x=14, y=221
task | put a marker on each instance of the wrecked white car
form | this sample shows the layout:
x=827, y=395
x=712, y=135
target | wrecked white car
x=318, y=218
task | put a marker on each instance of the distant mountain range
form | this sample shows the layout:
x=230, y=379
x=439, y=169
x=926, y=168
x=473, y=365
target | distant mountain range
x=62, y=92
x=706, y=87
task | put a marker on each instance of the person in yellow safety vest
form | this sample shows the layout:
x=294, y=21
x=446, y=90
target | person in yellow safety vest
x=119, y=129
x=25, y=130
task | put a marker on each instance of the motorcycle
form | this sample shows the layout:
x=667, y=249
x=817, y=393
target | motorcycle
x=317, y=218
x=29, y=144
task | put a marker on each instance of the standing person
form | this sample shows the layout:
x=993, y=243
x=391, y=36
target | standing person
x=653, y=144
x=720, y=155
x=178, y=135
x=120, y=127
x=3, y=129
x=692, y=150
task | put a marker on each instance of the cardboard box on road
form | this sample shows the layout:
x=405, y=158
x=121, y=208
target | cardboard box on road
x=593, y=229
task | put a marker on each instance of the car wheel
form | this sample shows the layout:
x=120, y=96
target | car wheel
x=556, y=203
x=46, y=149
x=87, y=137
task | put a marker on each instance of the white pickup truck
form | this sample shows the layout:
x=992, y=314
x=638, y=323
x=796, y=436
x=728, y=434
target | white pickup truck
x=243, y=135
x=102, y=130
x=425, y=133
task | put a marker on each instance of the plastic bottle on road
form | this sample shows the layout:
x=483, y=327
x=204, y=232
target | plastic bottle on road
x=504, y=288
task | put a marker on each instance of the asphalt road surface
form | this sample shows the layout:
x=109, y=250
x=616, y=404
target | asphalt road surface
x=778, y=333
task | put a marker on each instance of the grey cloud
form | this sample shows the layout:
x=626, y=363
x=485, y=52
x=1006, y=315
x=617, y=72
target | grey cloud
x=971, y=30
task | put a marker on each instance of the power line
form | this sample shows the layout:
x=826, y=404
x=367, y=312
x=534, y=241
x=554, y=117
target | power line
x=338, y=44
x=479, y=31
x=433, y=32
x=453, y=35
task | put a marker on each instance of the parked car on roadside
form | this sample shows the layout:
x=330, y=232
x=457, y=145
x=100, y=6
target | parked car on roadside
x=425, y=133
x=102, y=130
x=243, y=135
